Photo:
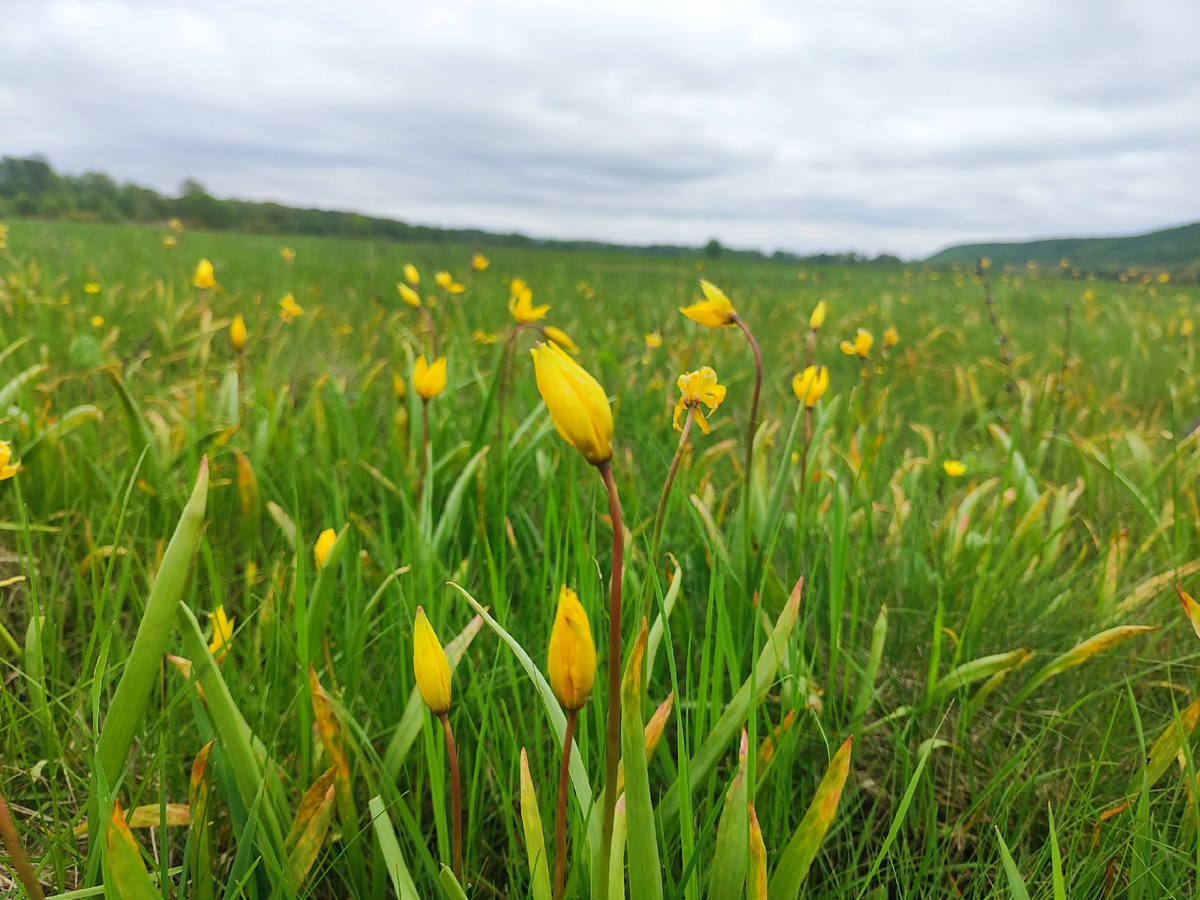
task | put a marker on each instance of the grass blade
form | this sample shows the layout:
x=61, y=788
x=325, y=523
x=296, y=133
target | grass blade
x=535, y=838
x=1081, y=653
x=645, y=873
x=402, y=880
x=1016, y=884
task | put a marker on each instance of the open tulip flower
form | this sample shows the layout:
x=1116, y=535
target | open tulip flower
x=8, y=468
x=479, y=262
x=289, y=308
x=810, y=385
x=560, y=337
x=861, y=347
x=714, y=311
x=520, y=304
x=203, y=276
x=696, y=389
x=222, y=634
x=429, y=380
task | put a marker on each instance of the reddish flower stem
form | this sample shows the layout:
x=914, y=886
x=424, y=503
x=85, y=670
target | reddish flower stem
x=455, y=798
x=612, y=736
x=560, y=837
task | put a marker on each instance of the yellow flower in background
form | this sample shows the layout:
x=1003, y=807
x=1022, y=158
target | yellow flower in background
x=91, y=288
x=175, y=225
x=1164, y=277
x=953, y=468
x=578, y=405
x=429, y=380
x=653, y=340
x=411, y=275
x=8, y=468
x=516, y=286
x=484, y=337
x=222, y=634
x=520, y=304
x=479, y=262
x=443, y=279
x=97, y=321
x=408, y=295
x=863, y=341
x=237, y=333
x=289, y=308
x=3, y=235
x=810, y=385
x=430, y=666
x=203, y=276
x=985, y=262
x=571, y=656
x=169, y=242
x=399, y=388
x=325, y=542
x=455, y=288
x=287, y=253
x=714, y=311
x=696, y=388
x=1186, y=328
x=891, y=337
x=561, y=338
x=817, y=319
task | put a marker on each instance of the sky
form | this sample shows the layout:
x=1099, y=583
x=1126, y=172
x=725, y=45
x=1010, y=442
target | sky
x=873, y=125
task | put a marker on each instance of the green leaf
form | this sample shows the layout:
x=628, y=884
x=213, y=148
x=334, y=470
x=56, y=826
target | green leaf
x=402, y=880
x=1078, y=654
x=1016, y=884
x=731, y=857
x=535, y=839
x=730, y=722
x=153, y=635
x=1060, y=886
x=645, y=873
x=125, y=876
x=450, y=885
x=802, y=849
x=452, y=510
x=976, y=670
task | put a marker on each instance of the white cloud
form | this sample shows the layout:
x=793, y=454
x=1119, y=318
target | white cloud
x=873, y=125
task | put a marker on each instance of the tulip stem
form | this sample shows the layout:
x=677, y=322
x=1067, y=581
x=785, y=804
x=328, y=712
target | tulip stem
x=455, y=797
x=750, y=432
x=660, y=515
x=424, y=448
x=16, y=852
x=432, y=329
x=613, y=731
x=505, y=359
x=560, y=838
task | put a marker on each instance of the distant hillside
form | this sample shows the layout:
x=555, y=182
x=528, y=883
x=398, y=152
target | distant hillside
x=30, y=188
x=1171, y=248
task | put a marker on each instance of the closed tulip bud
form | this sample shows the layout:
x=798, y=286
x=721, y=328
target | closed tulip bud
x=430, y=666
x=323, y=545
x=578, y=405
x=561, y=338
x=429, y=380
x=714, y=311
x=443, y=279
x=203, y=276
x=572, y=654
x=408, y=295
x=817, y=319
x=810, y=385
x=237, y=333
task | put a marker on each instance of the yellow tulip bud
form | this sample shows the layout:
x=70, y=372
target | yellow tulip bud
x=8, y=468
x=408, y=295
x=479, y=262
x=578, y=405
x=222, y=634
x=561, y=338
x=430, y=666
x=411, y=275
x=571, y=659
x=324, y=544
x=714, y=311
x=429, y=380
x=237, y=333
x=176, y=225
x=810, y=385
x=203, y=276
x=399, y=388
x=443, y=279
x=817, y=319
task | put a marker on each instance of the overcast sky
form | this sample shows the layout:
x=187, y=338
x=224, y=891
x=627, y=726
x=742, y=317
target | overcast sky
x=876, y=125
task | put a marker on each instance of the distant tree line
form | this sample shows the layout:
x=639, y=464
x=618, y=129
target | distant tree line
x=30, y=188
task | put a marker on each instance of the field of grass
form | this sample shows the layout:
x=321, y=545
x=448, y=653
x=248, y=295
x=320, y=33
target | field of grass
x=976, y=504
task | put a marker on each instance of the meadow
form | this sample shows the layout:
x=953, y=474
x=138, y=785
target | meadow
x=928, y=644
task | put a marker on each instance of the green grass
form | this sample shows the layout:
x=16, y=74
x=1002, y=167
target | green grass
x=1071, y=500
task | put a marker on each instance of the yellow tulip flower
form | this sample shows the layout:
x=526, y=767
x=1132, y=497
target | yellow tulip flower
x=696, y=388
x=578, y=405
x=408, y=295
x=222, y=634
x=203, y=276
x=399, y=388
x=8, y=468
x=487, y=338
x=520, y=304
x=443, y=279
x=3, y=235
x=817, y=319
x=411, y=275
x=455, y=288
x=324, y=544
x=891, y=337
x=1164, y=277
x=429, y=380
x=169, y=242
x=714, y=311
x=810, y=385
x=176, y=225
x=237, y=333
x=561, y=338
x=653, y=340
x=479, y=262
x=287, y=253
x=571, y=659
x=953, y=468
x=863, y=341
x=430, y=666
x=91, y=288
x=1186, y=328
x=289, y=308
